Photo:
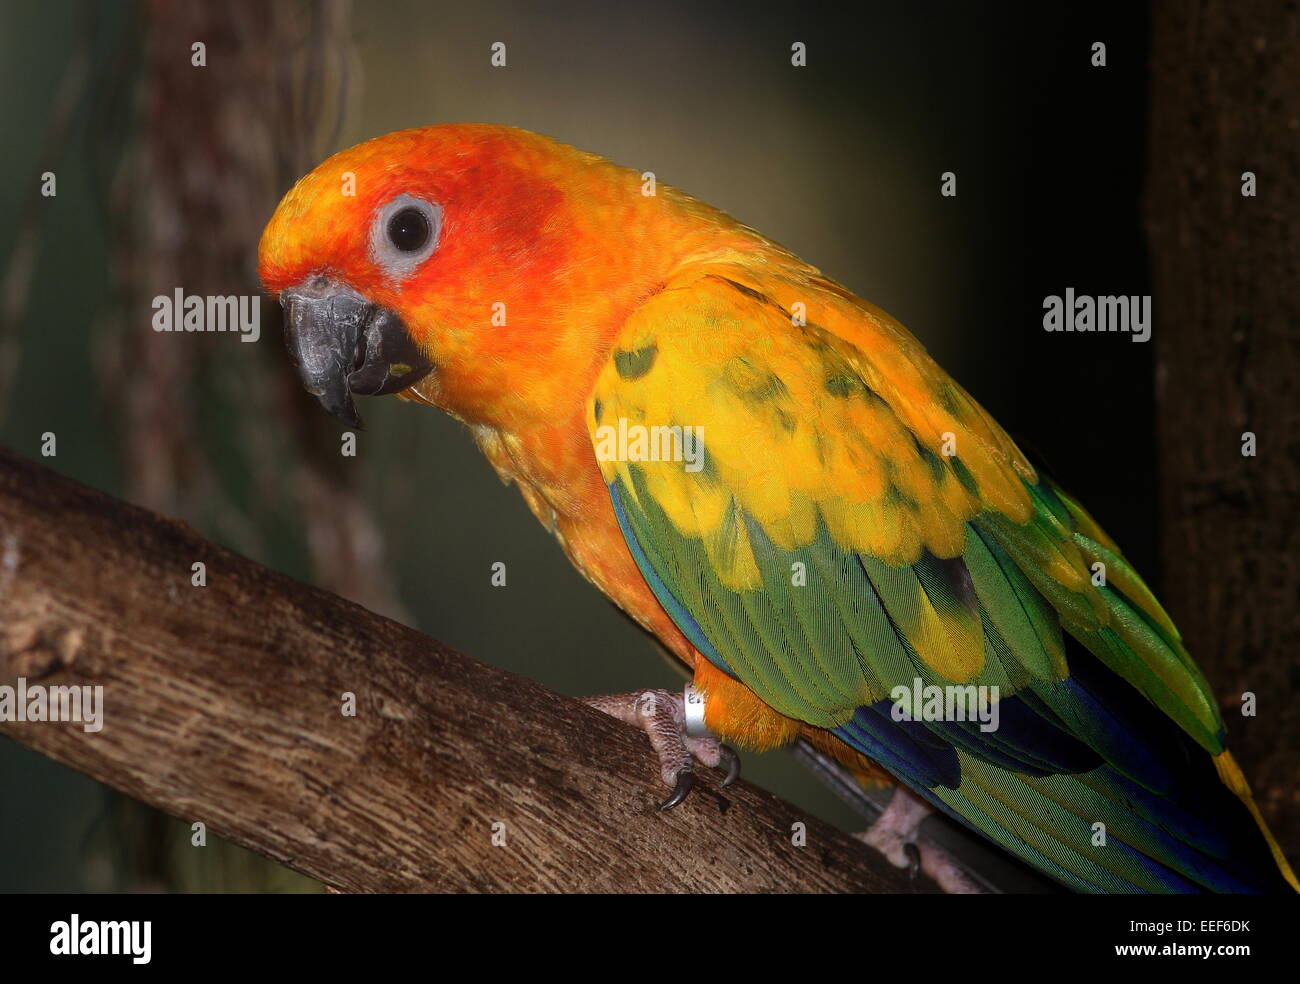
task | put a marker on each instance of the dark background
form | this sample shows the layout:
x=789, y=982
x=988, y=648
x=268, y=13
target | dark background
x=840, y=161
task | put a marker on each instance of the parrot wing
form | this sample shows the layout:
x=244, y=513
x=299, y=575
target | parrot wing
x=844, y=520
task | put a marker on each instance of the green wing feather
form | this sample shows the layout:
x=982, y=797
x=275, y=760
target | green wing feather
x=857, y=523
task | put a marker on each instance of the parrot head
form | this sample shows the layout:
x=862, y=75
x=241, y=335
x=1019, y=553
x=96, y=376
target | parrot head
x=470, y=266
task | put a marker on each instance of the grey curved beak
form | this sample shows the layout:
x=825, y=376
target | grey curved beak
x=342, y=344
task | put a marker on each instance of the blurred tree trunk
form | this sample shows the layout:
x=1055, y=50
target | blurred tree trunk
x=1225, y=100
x=220, y=142
x=234, y=102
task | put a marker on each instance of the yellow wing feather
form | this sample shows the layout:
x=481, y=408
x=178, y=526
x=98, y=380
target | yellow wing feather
x=820, y=419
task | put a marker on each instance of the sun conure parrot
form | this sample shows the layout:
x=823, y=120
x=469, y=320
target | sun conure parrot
x=835, y=517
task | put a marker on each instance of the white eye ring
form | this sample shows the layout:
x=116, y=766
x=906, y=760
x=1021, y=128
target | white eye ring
x=400, y=261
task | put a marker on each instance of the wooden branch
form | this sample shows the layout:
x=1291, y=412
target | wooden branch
x=222, y=704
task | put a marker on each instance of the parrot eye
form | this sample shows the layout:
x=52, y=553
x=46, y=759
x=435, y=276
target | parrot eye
x=408, y=230
x=404, y=234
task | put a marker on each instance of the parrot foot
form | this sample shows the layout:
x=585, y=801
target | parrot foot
x=661, y=714
x=895, y=835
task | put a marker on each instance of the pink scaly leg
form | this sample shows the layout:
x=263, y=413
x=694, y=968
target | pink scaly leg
x=661, y=715
x=894, y=834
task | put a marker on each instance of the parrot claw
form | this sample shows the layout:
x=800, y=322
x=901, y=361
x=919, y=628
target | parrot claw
x=914, y=860
x=685, y=783
x=661, y=715
x=733, y=765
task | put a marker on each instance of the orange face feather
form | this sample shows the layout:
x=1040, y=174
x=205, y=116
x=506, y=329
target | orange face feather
x=558, y=244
